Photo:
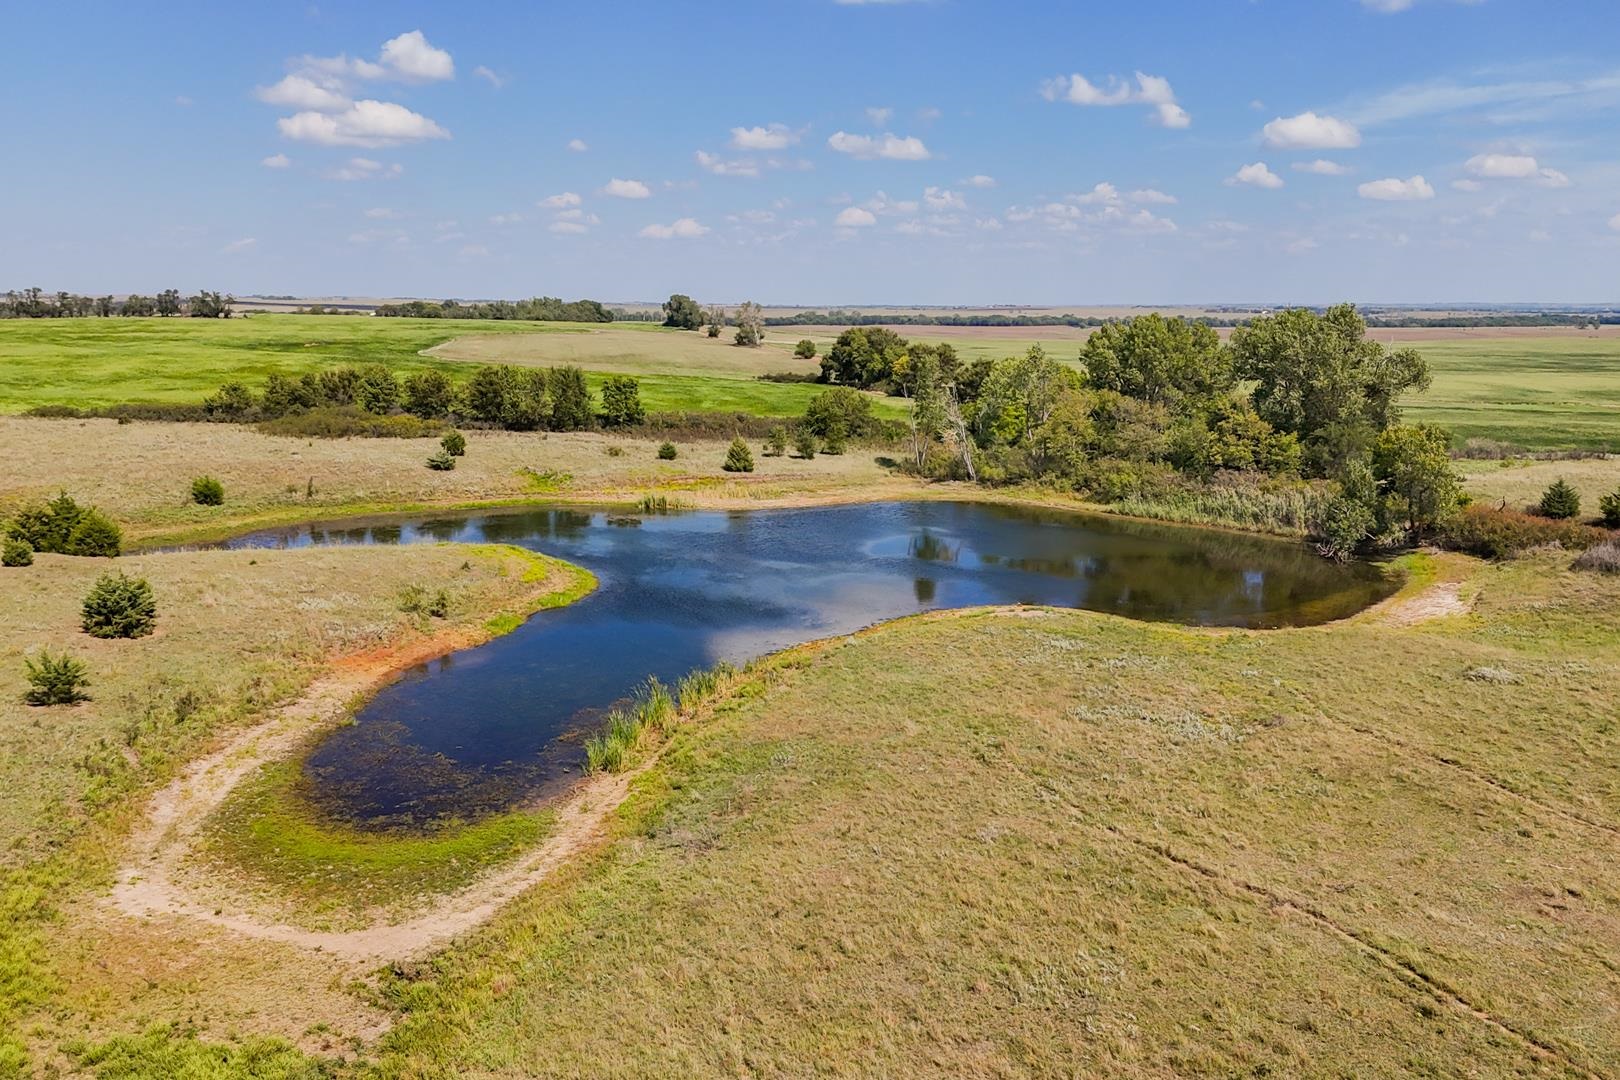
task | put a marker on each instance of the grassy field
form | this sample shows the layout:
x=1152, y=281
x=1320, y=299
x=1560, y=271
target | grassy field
x=1064, y=844
x=1553, y=389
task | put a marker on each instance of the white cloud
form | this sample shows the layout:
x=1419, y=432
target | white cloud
x=721, y=167
x=1394, y=189
x=854, y=217
x=1467, y=185
x=1552, y=178
x=276, y=161
x=506, y=219
x=1514, y=167
x=626, y=189
x=1258, y=174
x=411, y=58
x=573, y=227
x=879, y=114
x=928, y=114
x=1152, y=197
x=1150, y=90
x=682, y=229
x=359, y=168
x=364, y=123
x=1322, y=167
x=578, y=146
x=302, y=92
x=238, y=246
x=560, y=200
x=1308, y=131
x=886, y=146
x=939, y=198
x=770, y=137
x=489, y=76
x=980, y=181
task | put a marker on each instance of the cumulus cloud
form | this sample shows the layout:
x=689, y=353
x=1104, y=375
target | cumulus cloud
x=1394, y=189
x=1102, y=206
x=721, y=167
x=681, y=229
x=359, y=168
x=568, y=227
x=560, y=201
x=1308, y=131
x=276, y=161
x=1322, y=167
x=855, y=217
x=980, y=181
x=411, y=58
x=578, y=146
x=938, y=198
x=626, y=189
x=238, y=246
x=770, y=137
x=370, y=124
x=886, y=146
x=1467, y=185
x=1151, y=90
x=1258, y=174
x=302, y=92
x=1152, y=197
x=1514, y=167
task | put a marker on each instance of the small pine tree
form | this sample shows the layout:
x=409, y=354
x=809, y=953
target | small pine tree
x=15, y=552
x=206, y=491
x=1560, y=501
x=738, y=457
x=805, y=444
x=835, y=441
x=56, y=680
x=776, y=441
x=455, y=444
x=119, y=607
x=667, y=452
x=441, y=462
x=1609, y=507
x=95, y=536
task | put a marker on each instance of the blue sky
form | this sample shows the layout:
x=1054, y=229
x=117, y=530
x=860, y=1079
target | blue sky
x=815, y=151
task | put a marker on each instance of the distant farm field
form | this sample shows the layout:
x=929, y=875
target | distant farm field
x=1541, y=389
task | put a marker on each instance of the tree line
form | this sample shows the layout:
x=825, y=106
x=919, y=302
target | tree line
x=36, y=303
x=534, y=309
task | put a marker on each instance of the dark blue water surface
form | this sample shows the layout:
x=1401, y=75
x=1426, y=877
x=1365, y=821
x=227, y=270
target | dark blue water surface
x=482, y=729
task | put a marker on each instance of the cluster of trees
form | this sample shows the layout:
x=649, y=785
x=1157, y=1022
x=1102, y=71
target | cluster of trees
x=535, y=309
x=840, y=317
x=496, y=395
x=1297, y=395
x=681, y=312
x=63, y=527
x=35, y=303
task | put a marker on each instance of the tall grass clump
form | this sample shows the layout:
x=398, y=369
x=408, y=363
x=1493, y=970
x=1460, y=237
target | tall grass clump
x=1602, y=558
x=1290, y=510
x=654, y=710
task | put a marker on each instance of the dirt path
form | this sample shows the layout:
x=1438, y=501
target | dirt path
x=150, y=885
x=1435, y=602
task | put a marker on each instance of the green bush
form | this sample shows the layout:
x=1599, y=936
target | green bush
x=56, y=680
x=841, y=407
x=776, y=441
x=805, y=443
x=667, y=451
x=416, y=601
x=1609, y=507
x=377, y=391
x=1499, y=534
x=46, y=526
x=621, y=402
x=15, y=552
x=805, y=349
x=454, y=444
x=95, y=536
x=1560, y=502
x=230, y=402
x=835, y=441
x=441, y=461
x=429, y=394
x=738, y=458
x=348, y=421
x=206, y=491
x=119, y=607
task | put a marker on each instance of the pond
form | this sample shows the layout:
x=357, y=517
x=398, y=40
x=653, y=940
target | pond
x=483, y=729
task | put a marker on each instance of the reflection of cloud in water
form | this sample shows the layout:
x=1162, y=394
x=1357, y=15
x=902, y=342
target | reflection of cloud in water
x=850, y=603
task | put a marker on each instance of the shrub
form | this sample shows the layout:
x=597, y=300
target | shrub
x=805, y=443
x=46, y=526
x=206, y=491
x=571, y=408
x=776, y=442
x=95, y=536
x=835, y=441
x=377, y=391
x=119, y=607
x=840, y=407
x=15, y=552
x=230, y=402
x=1609, y=507
x=805, y=349
x=414, y=600
x=441, y=461
x=348, y=421
x=1560, y=502
x=738, y=457
x=621, y=402
x=1601, y=558
x=56, y=680
x=429, y=394
x=714, y=330
x=454, y=444
x=667, y=451
x=336, y=386
x=1498, y=533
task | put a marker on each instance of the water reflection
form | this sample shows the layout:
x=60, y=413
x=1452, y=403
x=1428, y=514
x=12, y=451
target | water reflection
x=681, y=591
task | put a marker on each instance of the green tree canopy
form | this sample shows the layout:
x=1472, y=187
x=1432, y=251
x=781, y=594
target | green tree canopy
x=682, y=312
x=863, y=356
x=1170, y=362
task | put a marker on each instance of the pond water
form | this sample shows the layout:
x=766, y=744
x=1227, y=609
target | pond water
x=482, y=729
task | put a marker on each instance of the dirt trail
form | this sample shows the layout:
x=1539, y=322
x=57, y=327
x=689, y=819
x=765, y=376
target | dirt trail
x=150, y=885
x=1435, y=602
